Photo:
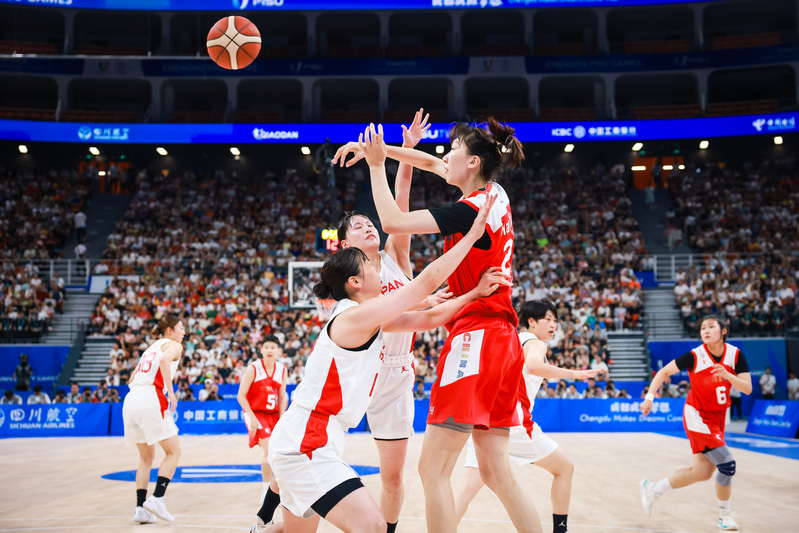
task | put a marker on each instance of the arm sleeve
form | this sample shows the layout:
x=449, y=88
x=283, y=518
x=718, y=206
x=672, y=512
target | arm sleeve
x=685, y=361
x=454, y=218
x=741, y=366
x=458, y=218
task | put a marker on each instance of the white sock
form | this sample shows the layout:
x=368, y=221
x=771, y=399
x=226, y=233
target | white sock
x=724, y=505
x=662, y=486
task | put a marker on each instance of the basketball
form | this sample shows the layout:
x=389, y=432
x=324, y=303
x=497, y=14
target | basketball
x=233, y=42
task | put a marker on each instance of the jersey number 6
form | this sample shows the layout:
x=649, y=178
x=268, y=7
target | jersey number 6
x=721, y=395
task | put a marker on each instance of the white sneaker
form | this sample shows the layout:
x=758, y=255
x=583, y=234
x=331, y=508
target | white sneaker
x=258, y=526
x=157, y=506
x=648, y=495
x=143, y=516
x=727, y=522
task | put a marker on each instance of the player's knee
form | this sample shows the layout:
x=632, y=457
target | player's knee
x=726, y=471
x=567, y=470
x=492, y=478
x=392, y=482
x=148, y=457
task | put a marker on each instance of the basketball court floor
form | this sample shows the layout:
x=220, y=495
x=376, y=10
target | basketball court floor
x=58, y=484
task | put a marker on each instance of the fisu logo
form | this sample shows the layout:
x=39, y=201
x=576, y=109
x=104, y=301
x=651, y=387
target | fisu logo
x=240, y=4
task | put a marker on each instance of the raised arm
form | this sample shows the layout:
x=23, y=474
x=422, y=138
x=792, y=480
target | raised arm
x=393, y=220
x=355, y=326
x=398, y=246
x=414, y=158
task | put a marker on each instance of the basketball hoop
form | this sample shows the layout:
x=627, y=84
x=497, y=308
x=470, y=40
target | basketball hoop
x=325, y=307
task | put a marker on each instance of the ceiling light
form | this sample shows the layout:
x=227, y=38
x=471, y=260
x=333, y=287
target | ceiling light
x=440, y=149
x=637, y=146
x=23, y=149
x=638, y=168
x=305, y=150
x=568, y=148
x=668, y=167
x=101, y=173
x=703, y=145
x=681, y=167
x=93, y=150
x=778, y=140
x=161, y=151
x=234, y=150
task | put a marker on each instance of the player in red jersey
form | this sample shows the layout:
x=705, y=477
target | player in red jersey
x=713, y=368
x=262, y=396
x=478, y=371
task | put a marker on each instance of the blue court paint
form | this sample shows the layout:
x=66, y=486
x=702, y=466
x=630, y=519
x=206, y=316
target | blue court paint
x=218, y=474
x=788, y=448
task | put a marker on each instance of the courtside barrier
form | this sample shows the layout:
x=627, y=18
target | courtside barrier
x=46, y=362
x=220, y=417
x=55, y=420
x=778, y=419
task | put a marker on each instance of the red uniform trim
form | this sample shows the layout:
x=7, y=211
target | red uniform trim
x=158, y=383
x=315, y=433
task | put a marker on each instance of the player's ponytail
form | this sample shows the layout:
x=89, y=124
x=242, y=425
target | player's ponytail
x=336, y=271
x=166, y=322
x=495, y=146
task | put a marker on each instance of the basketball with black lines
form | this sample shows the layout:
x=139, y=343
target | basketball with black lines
x=233, y=42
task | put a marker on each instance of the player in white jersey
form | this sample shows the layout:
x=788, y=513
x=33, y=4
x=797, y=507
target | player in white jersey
x=147, y=414
x=528, y=444
x=307, y=443
x=390, y=413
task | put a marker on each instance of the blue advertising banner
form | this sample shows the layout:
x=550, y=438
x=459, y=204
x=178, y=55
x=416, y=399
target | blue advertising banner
x=607, y=415
x=759, y=354
x=646, y=279
x=46, y=362
x=196, y=418
x=54, y=420
x=778, y=419
x=321, y=5
x=629, y=130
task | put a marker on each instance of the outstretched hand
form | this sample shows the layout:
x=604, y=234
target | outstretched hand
x=370, y=142
x=343, y=151
x=413, y=134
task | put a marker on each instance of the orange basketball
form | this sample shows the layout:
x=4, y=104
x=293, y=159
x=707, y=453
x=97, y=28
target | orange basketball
x=233, y=42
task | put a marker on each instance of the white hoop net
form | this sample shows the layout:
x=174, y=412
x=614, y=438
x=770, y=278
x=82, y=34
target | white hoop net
x=325, y=308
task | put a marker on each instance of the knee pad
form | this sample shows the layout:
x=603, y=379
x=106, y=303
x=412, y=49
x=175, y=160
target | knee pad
x=725, y=462
x=726, y=471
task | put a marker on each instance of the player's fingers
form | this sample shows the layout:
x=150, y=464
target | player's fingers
x=380, y=132
x=425, y=125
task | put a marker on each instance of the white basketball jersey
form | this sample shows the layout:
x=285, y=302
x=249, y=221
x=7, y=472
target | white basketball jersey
x=392, y=278
x=340, y=382
x=533, y=382
x=148, y=371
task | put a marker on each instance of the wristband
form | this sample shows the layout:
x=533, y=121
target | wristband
x=649, y=397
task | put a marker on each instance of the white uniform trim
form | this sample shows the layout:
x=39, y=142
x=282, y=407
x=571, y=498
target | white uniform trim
x=391, y=411
x=522, y=448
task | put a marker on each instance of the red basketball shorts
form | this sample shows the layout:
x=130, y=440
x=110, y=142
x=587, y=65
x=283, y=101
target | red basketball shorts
x=705, y=429
x=478, y=375
x=266, y=423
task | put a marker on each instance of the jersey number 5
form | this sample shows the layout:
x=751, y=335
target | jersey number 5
x=721, y=395
x=271, y=402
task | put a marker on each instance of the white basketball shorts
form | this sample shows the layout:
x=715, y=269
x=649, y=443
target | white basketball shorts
x=390, y=413
x=143, y=421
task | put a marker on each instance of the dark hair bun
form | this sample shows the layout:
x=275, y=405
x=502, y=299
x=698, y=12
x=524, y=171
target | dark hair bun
x=322, y=291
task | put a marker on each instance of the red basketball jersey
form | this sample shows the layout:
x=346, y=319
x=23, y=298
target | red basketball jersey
x=708, y=392
x=499, y=227
x=265, y=388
